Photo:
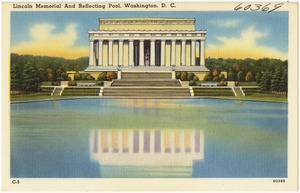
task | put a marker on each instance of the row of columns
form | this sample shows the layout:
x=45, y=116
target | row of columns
x=141, y=53
x=148, y=141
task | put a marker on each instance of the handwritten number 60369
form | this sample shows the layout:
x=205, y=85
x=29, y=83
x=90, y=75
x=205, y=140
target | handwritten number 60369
x=257, y=7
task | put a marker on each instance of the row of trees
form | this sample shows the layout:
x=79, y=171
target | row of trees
x=270, y=74
x=27, y=71
x=241, y=70
x=274, y=81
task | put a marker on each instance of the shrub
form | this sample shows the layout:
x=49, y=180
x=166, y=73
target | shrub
x=100, y=83
x=60, y=79
x=102, y=76
x=222, y=77
x=111, y=75
x=89, y=77
x=56, y=83
x=196, y=78
x=65, y=76
x=192, y=83
x=208, y=77
x=84, y=76
x=223, y=83
x=178, y=74
x=241, y=76
x=190, y=76
x=216, y=78
x=183, y=76
x=72, y=83
x=77, y=76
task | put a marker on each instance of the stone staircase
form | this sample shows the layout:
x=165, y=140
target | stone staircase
x=57, y=91
x=147, y=91
x=146, y=84
x=146, y=75
x=238, y=92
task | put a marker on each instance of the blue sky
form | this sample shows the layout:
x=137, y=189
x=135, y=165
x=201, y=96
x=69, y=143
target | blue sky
x=252, y=34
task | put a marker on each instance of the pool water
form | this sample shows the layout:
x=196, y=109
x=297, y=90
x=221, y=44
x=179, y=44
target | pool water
x=53, y=139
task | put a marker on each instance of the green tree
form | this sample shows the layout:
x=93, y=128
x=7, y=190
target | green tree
x=65, y=76
x=30, y=79
x=58, y=72
x=15, y=77
x=284, y=81
x=258, y=77
x=231, y=76
x=41, y=74
x=241, y=76
x=265, y=81
x=275, y=81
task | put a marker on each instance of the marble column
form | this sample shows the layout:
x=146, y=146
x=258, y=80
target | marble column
x=130, y=55
x=162, y=53
x=91, y=56
x=152, y=53
x=202, y=53
x=120, y=52
x=142, y=60
x=110, y=52
x=100, y=47
x=173, y=55
x=183, y=52
x=193, y=50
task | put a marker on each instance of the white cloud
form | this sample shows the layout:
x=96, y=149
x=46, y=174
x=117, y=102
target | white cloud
x=244, y=46
x=44, y=41
x=227, y=23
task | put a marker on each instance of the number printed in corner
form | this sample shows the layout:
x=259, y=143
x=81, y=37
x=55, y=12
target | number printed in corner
x=278, y=180
x=15, y=181
x=258, y=7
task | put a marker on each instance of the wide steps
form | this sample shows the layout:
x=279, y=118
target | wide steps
x=115, y=91
x=155, y=83
x=146, y=75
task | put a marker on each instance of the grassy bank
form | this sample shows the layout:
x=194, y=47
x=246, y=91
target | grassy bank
x=257, y=97
x=35, y=96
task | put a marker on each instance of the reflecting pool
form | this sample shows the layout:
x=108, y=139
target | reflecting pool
x=94, y=138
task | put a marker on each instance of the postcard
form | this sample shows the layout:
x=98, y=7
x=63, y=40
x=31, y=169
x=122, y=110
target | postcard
x=157, y=96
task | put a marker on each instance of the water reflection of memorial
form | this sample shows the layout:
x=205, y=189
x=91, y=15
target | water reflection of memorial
x=146, y=152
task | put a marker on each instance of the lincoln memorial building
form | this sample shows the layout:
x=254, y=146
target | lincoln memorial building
x=147, y=44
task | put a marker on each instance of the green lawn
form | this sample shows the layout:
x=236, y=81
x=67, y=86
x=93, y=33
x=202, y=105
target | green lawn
x=35, y=96
x=248, y=84
x=90, y=92
x=259, y=97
